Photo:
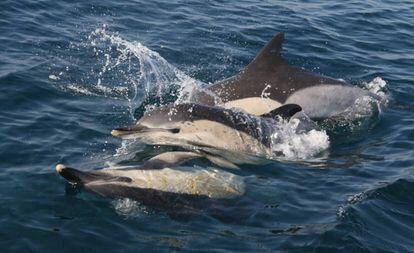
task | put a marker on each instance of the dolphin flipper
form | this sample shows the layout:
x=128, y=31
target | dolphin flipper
x=284, y=111
x=169, y=159
x=220, y=161
x=174, y=158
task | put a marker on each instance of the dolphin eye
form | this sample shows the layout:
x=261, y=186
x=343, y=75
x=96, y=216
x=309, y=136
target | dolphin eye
x=174, y=130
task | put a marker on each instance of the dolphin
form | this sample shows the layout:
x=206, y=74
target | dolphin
x=159, y=182
x=269, y=81
x=210, y=128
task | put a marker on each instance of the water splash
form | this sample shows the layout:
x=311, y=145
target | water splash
x=377, y=86
x=125, y=70
x=154, y=73
x=129, y=208
x=361, y=116
x=296, y=144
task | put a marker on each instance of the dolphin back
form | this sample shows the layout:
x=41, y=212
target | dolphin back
x=270, y=73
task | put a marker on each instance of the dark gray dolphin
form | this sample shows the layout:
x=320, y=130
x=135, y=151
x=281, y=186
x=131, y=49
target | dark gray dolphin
x=269, y=82
x=269, y=69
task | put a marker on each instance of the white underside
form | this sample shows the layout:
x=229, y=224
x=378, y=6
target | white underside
x=320, y=101
x=254, y=105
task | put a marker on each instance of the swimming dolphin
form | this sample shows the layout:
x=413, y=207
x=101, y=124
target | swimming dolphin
x=209, y=128
x=159, y=182
x=269, y=82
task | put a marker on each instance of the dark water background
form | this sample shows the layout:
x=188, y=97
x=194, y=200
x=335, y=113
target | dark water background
x=359, y=199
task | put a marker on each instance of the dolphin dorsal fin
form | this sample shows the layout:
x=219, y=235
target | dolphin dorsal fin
x=284, y=111
x=270, y=55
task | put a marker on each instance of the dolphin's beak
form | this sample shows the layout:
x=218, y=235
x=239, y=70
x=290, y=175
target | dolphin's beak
x=122, y=131
x=137, y=129
x=117, y=133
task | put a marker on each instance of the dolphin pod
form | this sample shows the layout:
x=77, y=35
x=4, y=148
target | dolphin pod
x=162, y=181
x=231, y=115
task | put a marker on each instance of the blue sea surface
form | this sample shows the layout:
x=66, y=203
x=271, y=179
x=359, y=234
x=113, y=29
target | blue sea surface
x=72, y=71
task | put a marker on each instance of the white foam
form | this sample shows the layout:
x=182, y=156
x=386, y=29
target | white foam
x=377, y=86
x=363, y=107
x=54, y=77
x=296, y=145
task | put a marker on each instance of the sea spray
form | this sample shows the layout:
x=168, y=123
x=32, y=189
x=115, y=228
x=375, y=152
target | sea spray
x=290, y=143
